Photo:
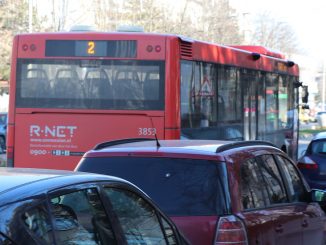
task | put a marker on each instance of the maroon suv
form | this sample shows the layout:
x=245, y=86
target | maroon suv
x=219, y=192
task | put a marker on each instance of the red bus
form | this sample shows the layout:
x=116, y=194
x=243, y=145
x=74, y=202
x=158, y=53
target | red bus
x=71, y=91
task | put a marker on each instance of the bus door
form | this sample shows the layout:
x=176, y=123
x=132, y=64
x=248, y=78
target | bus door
x=249, y=85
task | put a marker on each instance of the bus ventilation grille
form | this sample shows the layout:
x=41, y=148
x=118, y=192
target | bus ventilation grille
x=186, y=49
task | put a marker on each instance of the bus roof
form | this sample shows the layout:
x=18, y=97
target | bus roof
x=254, y=57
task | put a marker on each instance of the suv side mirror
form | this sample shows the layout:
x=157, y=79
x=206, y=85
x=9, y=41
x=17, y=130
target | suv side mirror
x=305, y=94
x=319, y=196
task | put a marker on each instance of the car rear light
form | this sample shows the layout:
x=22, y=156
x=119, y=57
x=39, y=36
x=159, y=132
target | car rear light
x=230, y=231
x=307, y=163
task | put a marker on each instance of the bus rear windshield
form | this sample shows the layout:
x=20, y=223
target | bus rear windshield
x=180, y=186
x=90, y=84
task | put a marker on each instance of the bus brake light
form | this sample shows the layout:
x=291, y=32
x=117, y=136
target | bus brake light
x=158, y=48
x=32, y=47
x=25, y=47
x=149, y=48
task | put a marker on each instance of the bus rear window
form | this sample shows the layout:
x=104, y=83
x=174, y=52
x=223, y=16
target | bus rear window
x=181, y=187
x=90, y=84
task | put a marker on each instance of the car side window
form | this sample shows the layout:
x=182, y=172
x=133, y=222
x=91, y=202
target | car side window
x=296, y=188
x=80, y=218
x=252, y=195
x=169, y=232
x=137, y=218
x=38, y=222
x=272, y=179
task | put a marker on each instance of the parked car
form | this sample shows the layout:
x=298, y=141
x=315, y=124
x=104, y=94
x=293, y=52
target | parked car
x=3, y=130
x=68, y=208
x=313, y=162
x=219, y=192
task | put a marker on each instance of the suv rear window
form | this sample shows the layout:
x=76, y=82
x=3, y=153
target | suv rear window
x=319, y=147
x=180, y=186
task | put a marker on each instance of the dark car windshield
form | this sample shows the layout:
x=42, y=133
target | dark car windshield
x=181, y=187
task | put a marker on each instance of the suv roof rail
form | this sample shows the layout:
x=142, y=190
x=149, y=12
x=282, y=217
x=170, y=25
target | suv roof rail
x=242, y=144
x=119, y=142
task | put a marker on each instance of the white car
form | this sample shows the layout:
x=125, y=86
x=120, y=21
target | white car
x=321, y=119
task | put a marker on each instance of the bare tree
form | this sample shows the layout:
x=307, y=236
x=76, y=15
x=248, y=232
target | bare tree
x=275, y=34
x=58, y=14
x=107, y=14
x=13, y=20
x=209, y=20
x=219, y=22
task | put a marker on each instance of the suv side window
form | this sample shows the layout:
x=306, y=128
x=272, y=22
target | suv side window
x=272, y=179
x=296, y=188
x=252, y=195
x=137, y=218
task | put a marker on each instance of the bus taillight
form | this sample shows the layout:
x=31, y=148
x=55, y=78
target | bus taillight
x=158, y=48
x=31, y=47
x=149, y=48
x=25, y=47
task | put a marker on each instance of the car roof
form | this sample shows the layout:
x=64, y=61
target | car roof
x=21, y=183
x=321, y=135
x=201, y=147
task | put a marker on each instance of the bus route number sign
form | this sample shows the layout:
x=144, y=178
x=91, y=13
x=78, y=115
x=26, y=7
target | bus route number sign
x=91, y=48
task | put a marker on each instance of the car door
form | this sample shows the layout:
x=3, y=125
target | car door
x=140, y=222
x=68, y=217
x=257, y=218
x=79, y=214
x=313, y=220
x=286, y=217
x=76, y=214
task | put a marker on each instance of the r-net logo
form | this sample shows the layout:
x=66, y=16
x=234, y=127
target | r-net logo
x=52, y=131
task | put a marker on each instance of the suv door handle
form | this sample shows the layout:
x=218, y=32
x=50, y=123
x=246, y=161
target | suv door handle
x=279, y=229
x=305, y=223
